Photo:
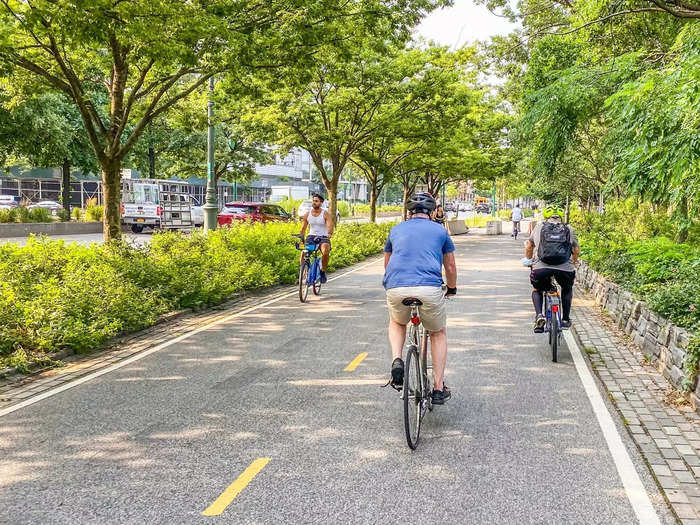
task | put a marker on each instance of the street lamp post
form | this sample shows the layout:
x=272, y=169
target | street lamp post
x=210, y=208
x=493, y=199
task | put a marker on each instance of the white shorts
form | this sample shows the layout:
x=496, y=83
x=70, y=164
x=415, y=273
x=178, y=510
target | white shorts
x=433, y=313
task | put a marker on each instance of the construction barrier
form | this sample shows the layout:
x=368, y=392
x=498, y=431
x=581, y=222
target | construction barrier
x=457, y=227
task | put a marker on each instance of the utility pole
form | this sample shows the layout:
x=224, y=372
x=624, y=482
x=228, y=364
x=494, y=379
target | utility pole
x=210, y=208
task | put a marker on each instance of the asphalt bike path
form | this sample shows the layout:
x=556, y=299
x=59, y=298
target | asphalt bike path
x=277, y=416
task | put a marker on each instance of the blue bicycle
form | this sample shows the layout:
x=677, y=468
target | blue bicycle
x=309, y=268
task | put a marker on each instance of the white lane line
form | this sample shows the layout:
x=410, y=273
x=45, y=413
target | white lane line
x=166, y=344
x=636, y=493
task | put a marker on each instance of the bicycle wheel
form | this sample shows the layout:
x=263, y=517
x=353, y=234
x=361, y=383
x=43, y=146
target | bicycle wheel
x=303, y=284
x=425, y=370
x=412, y=395
x=317, y=276
x=554, y=335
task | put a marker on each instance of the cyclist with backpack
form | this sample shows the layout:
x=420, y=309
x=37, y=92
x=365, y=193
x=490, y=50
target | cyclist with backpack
x=552, y=251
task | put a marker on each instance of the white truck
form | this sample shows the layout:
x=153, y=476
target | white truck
x=158, y=204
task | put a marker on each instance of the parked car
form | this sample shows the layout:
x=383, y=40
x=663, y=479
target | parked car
x=305, y=207
x=252, y=212
x=482, y=208
x=7, y=202
x=53, y=206
x=449, y=206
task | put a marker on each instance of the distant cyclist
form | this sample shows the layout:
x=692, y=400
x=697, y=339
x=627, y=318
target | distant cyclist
x=320, y=232
x=552, y=250
x=516, y=215
x=439, y=215
x=414, y=255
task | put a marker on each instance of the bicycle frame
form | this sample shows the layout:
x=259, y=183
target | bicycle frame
x=313, y=259
x=417, y=334
x=552, y=307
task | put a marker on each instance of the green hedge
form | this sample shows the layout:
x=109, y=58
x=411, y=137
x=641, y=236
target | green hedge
x=479, y=221
x=344, y=208
x=22, y=214
x=631, y=245
x=363, y=209
x=505, y=214
x=57, y=296
x=289, y=205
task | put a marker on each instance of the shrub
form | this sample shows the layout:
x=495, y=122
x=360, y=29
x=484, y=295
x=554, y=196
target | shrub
x=55, y=295
x=63, y=215
x=94, y=213
x=631, y=245
x=479, y=221
x=8, y=216
x=344, y=208
x=290, y=205
x=363, y=209
x=38, y=215
x=77, y=213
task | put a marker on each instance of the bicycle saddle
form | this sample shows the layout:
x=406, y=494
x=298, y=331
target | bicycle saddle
x=412, y=301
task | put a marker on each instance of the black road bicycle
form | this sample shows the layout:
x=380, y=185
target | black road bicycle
x=417, y=384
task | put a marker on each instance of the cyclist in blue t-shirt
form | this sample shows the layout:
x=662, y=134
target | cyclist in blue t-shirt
x=414, y=255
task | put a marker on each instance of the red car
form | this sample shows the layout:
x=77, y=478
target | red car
x=252, y=212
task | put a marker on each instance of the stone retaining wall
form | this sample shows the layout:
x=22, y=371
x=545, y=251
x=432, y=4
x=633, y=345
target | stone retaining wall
x=49, y=228
x=660, y=339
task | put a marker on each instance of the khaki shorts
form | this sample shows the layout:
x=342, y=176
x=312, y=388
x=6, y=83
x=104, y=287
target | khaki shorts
x=433, y=313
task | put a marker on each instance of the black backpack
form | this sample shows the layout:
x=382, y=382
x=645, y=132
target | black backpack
x=555, y=243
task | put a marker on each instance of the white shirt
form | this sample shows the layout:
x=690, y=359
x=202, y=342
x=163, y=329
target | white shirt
x=317, y=224
x=517, y=214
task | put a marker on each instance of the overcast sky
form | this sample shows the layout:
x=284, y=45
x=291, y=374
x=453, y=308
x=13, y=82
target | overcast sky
x=462, y=23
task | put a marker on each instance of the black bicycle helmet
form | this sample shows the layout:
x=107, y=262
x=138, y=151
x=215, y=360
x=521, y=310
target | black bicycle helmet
x=421, y=202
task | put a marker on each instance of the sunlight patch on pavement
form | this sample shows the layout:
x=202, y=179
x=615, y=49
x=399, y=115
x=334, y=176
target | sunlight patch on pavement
x=133, y=379
x=336, y=382
x=581, y=452
x=553, y=422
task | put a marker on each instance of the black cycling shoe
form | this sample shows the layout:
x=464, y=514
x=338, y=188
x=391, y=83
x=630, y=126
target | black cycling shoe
x=441, y=396
x=324, y=279
x=565, y=324
x=539, y=324
x=397, y=372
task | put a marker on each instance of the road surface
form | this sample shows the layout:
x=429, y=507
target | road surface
x=267, y=393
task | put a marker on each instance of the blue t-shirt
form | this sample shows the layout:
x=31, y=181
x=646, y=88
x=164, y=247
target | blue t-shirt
x=417, y=246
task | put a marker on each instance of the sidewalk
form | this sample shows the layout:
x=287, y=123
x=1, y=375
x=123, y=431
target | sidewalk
x=664, y=427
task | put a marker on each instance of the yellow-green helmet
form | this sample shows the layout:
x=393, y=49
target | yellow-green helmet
x=552, y=211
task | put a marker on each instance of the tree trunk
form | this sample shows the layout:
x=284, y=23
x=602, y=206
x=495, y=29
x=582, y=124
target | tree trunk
x=373, y=204
x=332, y=190
x=151, y=162
x=683, y=214
x=406, y=195
x=111, y=189
x=65, y=172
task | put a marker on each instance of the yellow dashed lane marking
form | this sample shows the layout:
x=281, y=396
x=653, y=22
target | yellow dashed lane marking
x=355, y=362
x=235, y=488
